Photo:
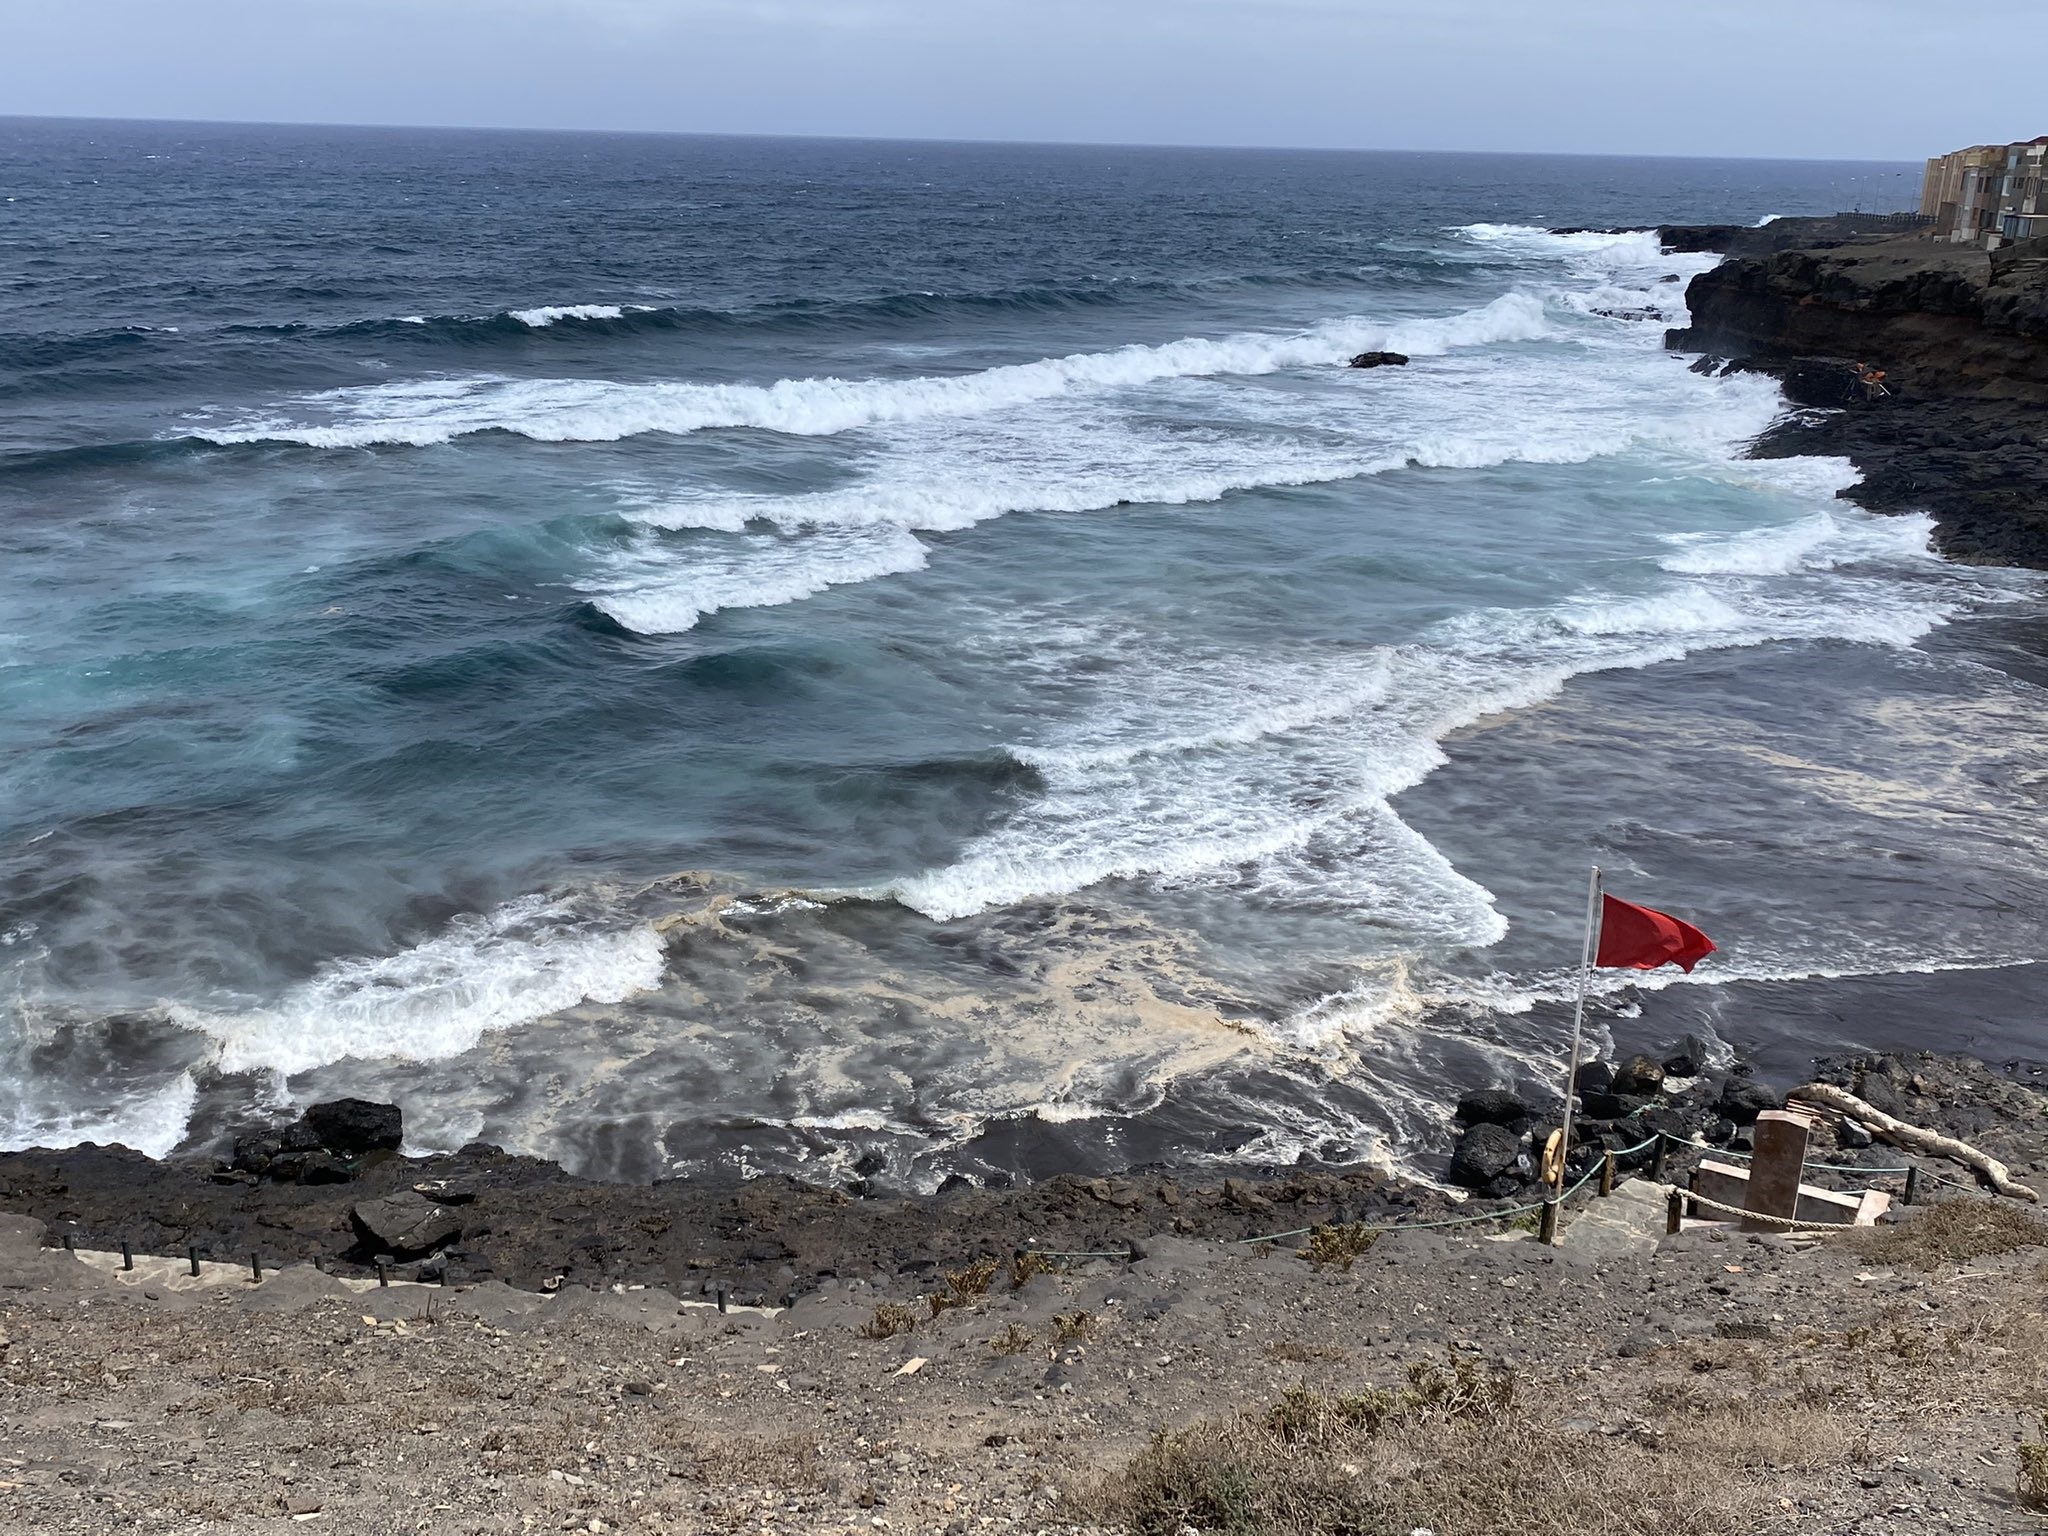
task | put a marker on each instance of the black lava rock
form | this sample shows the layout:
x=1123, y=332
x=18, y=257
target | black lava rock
x=1742, y=1100
x=1484, y=1154
x=1379, y=360
x=1639, y=1077
x=1688, y=1058
x=1593, y=1077
x=352, y=1127
x=1492, y=1106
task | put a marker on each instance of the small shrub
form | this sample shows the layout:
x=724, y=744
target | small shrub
x=1013, y=1340
x=2034, y=1470
x=1024, y=1265
x=1074, y=1327
x=963, y=1286
x=1339, y=1244
x=890, y=1319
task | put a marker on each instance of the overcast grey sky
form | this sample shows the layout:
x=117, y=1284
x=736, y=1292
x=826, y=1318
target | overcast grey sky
x=1861, y=79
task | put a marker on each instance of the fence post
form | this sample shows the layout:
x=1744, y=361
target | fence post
x=1912, y=1183
x=721, y=1301
x=383, y=1274
x=256, y=1268
x=192, y=1258
x=1546, y=1228
x=127, y=1255
x=1658, y=1153
x=1607, y=1173
x=1674, y=1213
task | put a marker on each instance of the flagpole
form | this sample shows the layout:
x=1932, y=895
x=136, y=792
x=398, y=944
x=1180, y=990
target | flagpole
x=1571, y=1069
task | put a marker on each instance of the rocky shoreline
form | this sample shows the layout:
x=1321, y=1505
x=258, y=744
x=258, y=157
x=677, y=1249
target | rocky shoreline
x=333, y=1189
x=1959, y=336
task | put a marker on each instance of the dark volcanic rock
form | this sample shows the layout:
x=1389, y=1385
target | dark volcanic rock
x=1492, y=1106
x=352, y=1127
x=1688, y=1058
x=1742, y=1100
x=404, y=1225
x=1593, y=1077
x=1639, y=1077
x=1484, y=1154
x=1379, y=360
x=1961, y=338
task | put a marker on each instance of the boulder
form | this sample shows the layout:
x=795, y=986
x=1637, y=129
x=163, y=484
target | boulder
x=1743, y=1100
x=1593, y=1077
x=1613, y=1106
x=1379, y=360
x=1851, y=1134
x=1688, y=1058
x=1484, y=1153
x=352, y=1127
x=405, y=1225
x=1492, y=1106
x=1639, y=1078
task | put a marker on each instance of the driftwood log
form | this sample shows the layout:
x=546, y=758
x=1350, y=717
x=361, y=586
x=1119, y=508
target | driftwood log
x=1914, y=1139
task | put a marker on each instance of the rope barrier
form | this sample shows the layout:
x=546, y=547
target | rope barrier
x=1451, y=1221
x=1750, y=1157
x=1736, y=1210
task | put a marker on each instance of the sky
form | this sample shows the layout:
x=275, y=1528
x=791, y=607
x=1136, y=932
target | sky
x=1774, y=78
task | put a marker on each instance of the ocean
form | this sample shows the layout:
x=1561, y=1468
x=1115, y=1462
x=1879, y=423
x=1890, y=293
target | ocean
x=696, y=656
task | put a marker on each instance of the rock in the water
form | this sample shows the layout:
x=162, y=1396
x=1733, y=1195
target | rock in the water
x=1484, y=1154
x=404, y=1225
x=352, y=1127
x=1743, y=1100
x=1593, y=1077
x=1688, y=1058
x=1379, y=360
x=1639, y=1077
x=1492, y=1106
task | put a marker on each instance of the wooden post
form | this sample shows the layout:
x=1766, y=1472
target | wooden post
x=1774, y=1172
x=1546, y=1227
x=383, y=1274
x=1674, y=1213
x=192, y=1258
x=256, y=1268
x=1658, y=1153
x=721, y=1301
x=127, y=1255
x=1912, y=1183
x=1607, y=1173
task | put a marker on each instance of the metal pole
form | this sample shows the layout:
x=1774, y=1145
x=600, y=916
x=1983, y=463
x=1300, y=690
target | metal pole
x=1912, y=1183
x=192, y=1257
x=127, y=1255
x=1571, y=1068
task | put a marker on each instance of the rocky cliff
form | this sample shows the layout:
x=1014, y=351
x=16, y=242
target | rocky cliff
x=1960, y=428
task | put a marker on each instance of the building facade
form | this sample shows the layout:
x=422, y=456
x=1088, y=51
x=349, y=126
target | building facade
x=1989, y=195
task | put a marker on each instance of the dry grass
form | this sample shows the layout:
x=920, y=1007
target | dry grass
x=1025, y=1265
x=962, y=1287
x=786, y=1462
x=1955, y=1232
x=890, y=1319
x=1013, y=1340
x=1074, y=1327
x=1450, y=1452
x=2033, y=1487
x=1339, y=1246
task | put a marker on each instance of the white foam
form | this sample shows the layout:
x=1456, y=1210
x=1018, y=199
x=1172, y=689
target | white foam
x=153, y=1124
x=422, y=412
x=659, y=587
x=1820, y=542
x=528, y=959
x=548, y=314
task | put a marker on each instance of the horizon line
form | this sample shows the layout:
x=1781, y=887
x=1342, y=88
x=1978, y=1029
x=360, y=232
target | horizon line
x=857, y=138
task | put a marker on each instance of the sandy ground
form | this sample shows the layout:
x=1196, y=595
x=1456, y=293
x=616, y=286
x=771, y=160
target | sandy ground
x=1762, y=1382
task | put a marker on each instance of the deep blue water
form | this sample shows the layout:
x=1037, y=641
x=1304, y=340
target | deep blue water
x=686, y=652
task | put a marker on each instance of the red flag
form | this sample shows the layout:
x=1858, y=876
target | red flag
x=1634, y=938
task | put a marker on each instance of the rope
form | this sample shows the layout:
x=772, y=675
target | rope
x=1736, y=1210
x=1451, y=1221
x=1750, y=1157
x=1104, y=1253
